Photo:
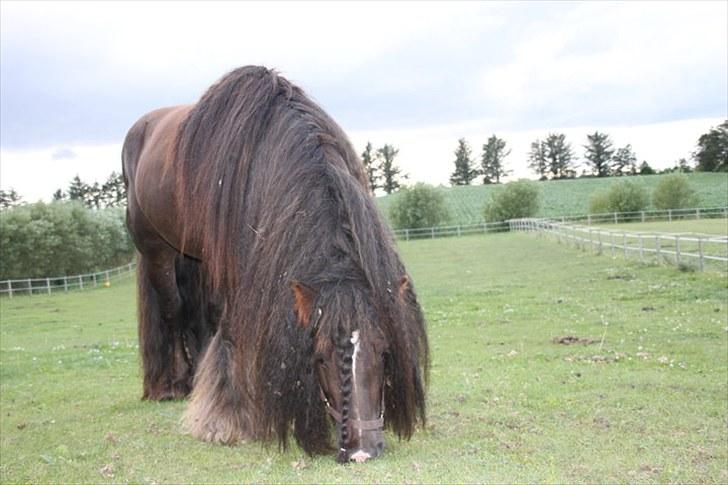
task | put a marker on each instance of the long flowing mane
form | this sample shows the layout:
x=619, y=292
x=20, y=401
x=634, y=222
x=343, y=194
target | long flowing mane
x=274, y=190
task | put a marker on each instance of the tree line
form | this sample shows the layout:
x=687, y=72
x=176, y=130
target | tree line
x=61, y=238
x=381, y=168
x=554, y=158
x=110, y=193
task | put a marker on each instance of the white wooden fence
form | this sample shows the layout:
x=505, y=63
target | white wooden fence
x=646, y=216
x=588, y=219
x=681, y=249
x=33, y=286
x=446, y=231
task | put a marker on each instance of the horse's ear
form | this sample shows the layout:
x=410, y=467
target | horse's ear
x=304, y=297
x=404, y=286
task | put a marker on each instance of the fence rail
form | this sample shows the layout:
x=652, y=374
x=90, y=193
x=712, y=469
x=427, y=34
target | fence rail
x=645, y=216
x=51, y=284
x=448, y=231
x=680, y=249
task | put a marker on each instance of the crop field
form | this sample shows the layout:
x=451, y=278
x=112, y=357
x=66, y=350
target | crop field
x=565, y=197
x=548, y=365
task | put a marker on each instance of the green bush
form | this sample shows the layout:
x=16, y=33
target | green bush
x=622, y=196
x=515, y=200
x=61, y=238
x=418, y=206
x=674, y=192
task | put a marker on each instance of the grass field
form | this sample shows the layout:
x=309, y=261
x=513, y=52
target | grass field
x=716, y=227
x=565, y=197
x=641, y=398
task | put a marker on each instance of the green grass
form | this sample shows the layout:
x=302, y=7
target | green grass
x=565, y=197
x=645, y=402
x=718, y=227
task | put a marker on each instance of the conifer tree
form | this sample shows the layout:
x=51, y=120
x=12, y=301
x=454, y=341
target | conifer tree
x=491, y=165
x=464, y=172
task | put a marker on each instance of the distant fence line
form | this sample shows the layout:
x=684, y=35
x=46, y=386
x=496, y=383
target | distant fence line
x=589, y=219
x=48, y=285
x=678, y=249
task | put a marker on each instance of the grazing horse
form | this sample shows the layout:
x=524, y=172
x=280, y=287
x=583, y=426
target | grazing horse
x=269, y=285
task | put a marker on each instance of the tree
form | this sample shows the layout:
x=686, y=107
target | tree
x=419, y=206
x=559, y=156
x=674, y=192
x=645, y=169
x=77, y=189
x=622, y=196
x=598, y=153
x=113, y=191
x=515, y=200
x=60, y=195
x=465, y=172
x=624, y=161
x=372, y=170
x=390, y=172
x=712, y=152
x=9, y=198
x=60, y=238
x=537, y=159
x=492, y=168
x=92, y=198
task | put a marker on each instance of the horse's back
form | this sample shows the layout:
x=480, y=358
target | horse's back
x=149, y=172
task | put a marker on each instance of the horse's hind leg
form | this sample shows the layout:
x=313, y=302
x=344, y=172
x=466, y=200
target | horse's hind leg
x=167, y=372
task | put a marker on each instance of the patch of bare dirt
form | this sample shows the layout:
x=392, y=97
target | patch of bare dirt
x=573, y=340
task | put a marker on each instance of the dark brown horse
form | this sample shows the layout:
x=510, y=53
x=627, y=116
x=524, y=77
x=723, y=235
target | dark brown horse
x=269, y=286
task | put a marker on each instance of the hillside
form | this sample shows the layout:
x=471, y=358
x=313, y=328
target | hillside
x=564, y=197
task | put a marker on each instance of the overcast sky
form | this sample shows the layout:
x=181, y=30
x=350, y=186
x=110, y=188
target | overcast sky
x=75, y=76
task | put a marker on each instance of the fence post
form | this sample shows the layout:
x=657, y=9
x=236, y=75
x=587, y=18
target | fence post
x=669, y=215
x=432, y=231
x=643, y=215
x=677, y=249
x=459, y=232
x=657, y=247
x=701, y=259
x=48, y=285
x=94, y=278
x=612, y=244
x=30, y=287
x=406, y=234
x=697, y=213
x=642, y=250
x=65, y=283
x=588, y=220
x=591, y=241
x=615, y=217
x=10, y=288
x=107, y=277
x=80, y=282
